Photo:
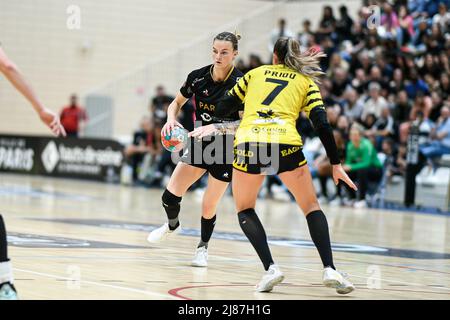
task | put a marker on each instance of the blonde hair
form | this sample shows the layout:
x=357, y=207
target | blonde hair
x=307, y=63
x=357, y=127
x=238, y=35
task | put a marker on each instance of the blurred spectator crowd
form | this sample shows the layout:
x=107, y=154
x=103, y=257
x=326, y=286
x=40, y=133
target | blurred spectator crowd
x=387, y=70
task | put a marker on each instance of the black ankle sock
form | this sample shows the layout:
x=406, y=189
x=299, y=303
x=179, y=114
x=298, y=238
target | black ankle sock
x=318, y=228
x=254, y=230
x=173, y=224
x=3, y=242
x=207, y=230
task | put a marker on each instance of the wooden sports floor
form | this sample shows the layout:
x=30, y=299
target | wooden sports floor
x=72, y=239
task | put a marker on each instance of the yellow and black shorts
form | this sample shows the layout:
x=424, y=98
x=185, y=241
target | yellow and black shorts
x=267, y=158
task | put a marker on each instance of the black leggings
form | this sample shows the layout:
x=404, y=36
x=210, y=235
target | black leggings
x=3, y=241
x=165, y=161
x=323, y=187
x=136, y=160
x=362, y=177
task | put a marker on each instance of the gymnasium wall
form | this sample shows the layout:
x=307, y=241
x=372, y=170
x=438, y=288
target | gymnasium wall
x=117, y=39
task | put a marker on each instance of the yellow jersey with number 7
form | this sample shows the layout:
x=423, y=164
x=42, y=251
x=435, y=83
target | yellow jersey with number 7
x=273, y=97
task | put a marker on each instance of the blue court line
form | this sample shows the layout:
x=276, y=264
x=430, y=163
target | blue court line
x=279, y=241
x=394, y=206
x=42, y=194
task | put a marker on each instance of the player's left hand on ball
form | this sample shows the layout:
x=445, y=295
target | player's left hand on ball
x=203, y=131
x=52, y=121
x=340, y=174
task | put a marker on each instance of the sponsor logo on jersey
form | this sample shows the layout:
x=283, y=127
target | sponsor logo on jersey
x=269, y=130
x=206, y=117
x=266, y=113
x=270, y=121
x=268, y=116
x=205, y=106
x=197, y=80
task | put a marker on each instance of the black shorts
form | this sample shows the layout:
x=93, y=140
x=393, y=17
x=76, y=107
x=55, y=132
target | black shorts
x=267, y=158
x=215, y=156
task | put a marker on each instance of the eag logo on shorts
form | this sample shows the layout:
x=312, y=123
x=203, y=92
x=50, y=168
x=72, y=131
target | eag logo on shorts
x=289, y=151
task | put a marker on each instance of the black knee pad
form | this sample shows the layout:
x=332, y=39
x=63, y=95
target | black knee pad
x=244, y=214
x=170, y=200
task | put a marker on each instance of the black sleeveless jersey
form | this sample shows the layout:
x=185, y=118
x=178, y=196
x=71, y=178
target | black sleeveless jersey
x=208, y=92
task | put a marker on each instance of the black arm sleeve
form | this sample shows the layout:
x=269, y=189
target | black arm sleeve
x=318, y=117
x=227, y=105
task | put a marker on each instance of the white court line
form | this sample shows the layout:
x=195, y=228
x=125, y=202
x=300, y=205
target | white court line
x=385, y=280
x=284, y=266
x=158, y=295
x=174, y=250
x=148, y=293
x=121, y=258
x=308, y=269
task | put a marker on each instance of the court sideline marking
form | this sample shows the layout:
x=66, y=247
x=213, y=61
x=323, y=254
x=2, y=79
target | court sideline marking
x=148, y=293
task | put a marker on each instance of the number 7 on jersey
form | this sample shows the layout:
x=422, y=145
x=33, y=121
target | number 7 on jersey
x=281, y=84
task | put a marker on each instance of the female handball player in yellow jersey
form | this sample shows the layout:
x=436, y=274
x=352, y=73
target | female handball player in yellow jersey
x=267, y=142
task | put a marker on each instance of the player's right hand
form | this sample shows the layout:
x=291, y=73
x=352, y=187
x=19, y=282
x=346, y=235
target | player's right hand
x=51, y=120
x=169, y=126
x=340, y=174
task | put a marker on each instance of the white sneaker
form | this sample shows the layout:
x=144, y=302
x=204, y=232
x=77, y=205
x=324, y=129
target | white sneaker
x=8, y=292
x=348, y=202
x=336, y=202
x=200, y=192
x=201, y=258
x=323, y=200
x=335, y=279
x=361, y=204
x=280, y=193
x=272, y=277
x=278, y=189
x=162, y=233
x=281, y=196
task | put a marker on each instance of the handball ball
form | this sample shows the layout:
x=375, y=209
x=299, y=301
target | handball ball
x=176, y=140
